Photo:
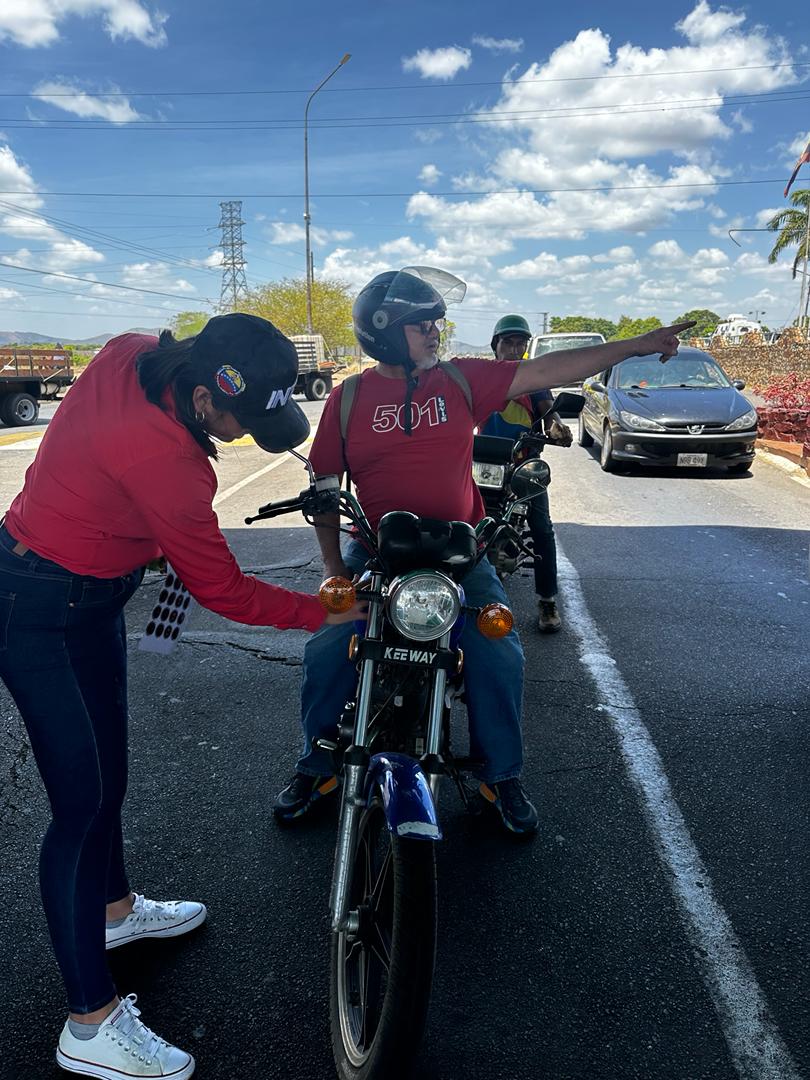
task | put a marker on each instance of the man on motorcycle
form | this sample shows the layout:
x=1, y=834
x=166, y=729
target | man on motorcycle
x=408, y=446
x=510, y=338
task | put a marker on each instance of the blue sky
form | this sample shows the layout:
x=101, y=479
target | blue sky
x=463, y=136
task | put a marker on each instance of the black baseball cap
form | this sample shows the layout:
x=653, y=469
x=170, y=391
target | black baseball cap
x=251, y=369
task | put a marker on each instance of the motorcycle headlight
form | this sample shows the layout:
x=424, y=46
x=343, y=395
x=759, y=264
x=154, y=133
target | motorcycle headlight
x=747, y=420
x=423, y=605
x=488, y=476
x=639, y=423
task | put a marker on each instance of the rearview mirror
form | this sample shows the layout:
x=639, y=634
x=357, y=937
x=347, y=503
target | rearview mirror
x=568, y=404
x=530, y=478
x=738, y=384
x=597, y=385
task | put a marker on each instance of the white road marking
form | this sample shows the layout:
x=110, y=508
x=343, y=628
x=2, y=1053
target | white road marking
x=226, y=494
x=755, y=1044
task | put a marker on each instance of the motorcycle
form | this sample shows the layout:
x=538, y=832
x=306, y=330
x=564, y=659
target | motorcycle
x=391, y=747
x=496, y=461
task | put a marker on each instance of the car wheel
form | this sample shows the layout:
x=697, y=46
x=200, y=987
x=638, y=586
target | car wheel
x=583, y=438
x=606, y=459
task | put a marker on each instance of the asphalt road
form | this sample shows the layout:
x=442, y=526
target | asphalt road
x=659, y=925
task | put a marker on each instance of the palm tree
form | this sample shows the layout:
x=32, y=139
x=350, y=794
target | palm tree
x=791, y=224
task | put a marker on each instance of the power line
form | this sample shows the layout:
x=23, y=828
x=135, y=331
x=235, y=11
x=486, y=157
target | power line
x=406, y=86
x=486, y=115
x=395, y=194
x=107, y=284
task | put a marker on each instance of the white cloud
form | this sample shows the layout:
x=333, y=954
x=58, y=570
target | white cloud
x=34, y=23
x=154, y=275
x=115, y=109
x=443, y=63
x=667, y=249
x=571, y=214
x=430, y=174
x=290, y=232
x=702, y=26
x=498, y=45
x=623, y=254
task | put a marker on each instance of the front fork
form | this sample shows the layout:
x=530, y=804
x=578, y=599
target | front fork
x=355, y=768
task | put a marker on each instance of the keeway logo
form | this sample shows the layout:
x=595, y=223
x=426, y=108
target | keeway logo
x=412, y=656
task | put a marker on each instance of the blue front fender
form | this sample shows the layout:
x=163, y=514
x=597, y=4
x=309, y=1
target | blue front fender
x=406, y=796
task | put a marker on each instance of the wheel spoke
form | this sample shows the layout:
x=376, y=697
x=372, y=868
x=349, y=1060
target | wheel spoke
x=382, y=879
x=381, y=947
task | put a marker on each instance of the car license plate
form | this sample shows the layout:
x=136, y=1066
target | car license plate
x=695, y=460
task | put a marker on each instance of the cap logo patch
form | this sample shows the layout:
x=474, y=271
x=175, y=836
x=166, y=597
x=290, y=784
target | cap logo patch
x=279, y=398
x=230, y=381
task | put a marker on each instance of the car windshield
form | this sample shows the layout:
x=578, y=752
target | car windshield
x=648, y=373
x=555, y=344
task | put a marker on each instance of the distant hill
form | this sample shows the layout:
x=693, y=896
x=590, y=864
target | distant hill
x=463, y=348
x=25, y=337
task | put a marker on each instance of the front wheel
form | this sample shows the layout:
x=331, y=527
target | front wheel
x=607, y=461
x=381, y=976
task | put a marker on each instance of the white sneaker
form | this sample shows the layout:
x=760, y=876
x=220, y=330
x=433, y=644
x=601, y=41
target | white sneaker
x=124, y=1047
x=156, y=919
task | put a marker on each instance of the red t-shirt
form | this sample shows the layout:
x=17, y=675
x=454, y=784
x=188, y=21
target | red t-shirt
x=428, y=472
x=117, y=481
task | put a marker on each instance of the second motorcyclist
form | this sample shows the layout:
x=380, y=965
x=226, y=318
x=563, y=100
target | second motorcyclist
x=510, y=338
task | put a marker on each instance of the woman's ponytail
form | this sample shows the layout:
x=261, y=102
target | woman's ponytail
x=169, y=365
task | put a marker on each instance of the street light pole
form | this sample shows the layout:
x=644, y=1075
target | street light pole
x=805, y=295
x=306, y=188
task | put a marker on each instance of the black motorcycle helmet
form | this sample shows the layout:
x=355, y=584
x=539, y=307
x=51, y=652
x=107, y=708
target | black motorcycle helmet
x=393, y=299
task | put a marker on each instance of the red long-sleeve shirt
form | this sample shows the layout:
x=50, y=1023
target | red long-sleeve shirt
x=118, y=481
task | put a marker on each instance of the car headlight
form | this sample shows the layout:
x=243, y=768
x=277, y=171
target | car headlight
x=488, y=476
x=423, y=605
x=639, y=423
x=747, y=420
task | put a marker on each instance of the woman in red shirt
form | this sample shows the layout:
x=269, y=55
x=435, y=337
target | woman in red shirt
x=122, y=476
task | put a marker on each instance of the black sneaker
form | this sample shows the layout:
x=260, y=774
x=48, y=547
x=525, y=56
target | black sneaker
x=301, y=794
x=510, y=800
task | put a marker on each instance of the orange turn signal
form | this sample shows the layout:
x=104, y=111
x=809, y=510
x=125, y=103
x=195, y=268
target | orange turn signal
x=495, y=620
x=337, y=595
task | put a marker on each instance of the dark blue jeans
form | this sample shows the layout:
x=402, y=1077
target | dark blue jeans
x=545, y=547
x=63, y=658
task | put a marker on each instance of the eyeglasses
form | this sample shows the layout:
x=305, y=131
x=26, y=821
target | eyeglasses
x=426, y=325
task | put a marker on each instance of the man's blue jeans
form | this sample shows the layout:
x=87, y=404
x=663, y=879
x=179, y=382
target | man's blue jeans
x=545, y=547
x=493, y=678
x=63, y=658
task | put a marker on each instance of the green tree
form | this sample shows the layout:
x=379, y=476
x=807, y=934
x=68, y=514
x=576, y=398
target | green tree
x=284, y=303
x=627, y=327
x=791, y=224
x=188, y=323
x=705, y=322
x=582, y=324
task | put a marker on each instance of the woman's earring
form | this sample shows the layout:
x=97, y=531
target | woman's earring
x=199, y=416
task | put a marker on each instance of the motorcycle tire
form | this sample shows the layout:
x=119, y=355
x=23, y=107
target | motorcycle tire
x=381, y=977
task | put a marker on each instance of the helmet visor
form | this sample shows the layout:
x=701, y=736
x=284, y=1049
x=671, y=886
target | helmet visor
x=418, y=288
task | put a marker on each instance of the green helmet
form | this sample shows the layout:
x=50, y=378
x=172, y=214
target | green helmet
x=509, y=324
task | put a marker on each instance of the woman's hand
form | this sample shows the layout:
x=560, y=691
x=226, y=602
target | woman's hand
x=358, y=612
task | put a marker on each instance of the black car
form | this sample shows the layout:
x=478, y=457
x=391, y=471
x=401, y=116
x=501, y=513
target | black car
x=685, y=413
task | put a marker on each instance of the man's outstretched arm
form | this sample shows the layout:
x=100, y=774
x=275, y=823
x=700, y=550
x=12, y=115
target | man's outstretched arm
x=573, y=365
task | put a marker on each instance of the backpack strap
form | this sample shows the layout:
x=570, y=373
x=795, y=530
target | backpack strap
x=454, y=372
x=348, y=392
